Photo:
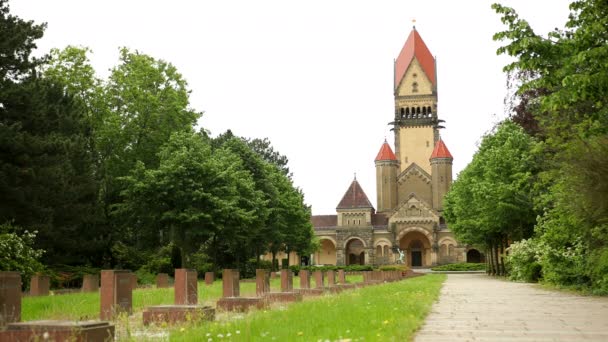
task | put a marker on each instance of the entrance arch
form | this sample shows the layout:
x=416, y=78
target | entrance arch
x=355, y=252
x=417, y=247
x=327, y=253
x=473, y=255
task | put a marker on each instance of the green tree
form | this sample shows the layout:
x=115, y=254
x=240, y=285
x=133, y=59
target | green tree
x=491, y=202
x=18, y=252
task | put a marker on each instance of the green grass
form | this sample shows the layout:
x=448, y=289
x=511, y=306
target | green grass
x=83, y=306
x=461, y=267
x=388, y=312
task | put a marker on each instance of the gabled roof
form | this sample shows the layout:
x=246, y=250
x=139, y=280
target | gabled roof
x=441, y=151
x=324, y=221
x=415, y=47
x=385, y=153
x=354, y=198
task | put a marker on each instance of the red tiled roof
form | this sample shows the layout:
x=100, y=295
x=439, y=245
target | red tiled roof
x=385, y=153
x=321, y=221
x=354, y=198
x=441, y=151
x=415, y=47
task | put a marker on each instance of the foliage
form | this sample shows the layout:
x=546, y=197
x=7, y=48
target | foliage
x=465, y=266
x=160, y=261
x=17, y=252
x=491, y=202
x=522, y=261
x=560, y=82
x=402, y=268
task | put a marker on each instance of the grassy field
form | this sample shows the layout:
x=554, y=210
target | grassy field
x=388, y=312
x=83, y=306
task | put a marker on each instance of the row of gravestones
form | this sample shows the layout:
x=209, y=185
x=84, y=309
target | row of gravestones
x=116, y=298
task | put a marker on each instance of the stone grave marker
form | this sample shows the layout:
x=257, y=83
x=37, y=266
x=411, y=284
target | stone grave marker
x=262, y=282
x=231, y=292
x=116, y=293
x=319, y=279
x=10, y=297
x=40, y=285
x=209, y=278
x=186, y=287
x=162, y=280
x=90, y=283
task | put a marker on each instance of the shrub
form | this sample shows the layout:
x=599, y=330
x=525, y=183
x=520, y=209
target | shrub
x=295, y=269
x=460, y=267
x=393, y=268
x=145, y=277
x=161, y=261
x=522, y=261
x=599, y=271
x=17, y=252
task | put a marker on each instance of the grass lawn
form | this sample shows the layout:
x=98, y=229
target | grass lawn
x=84, y=306
x=388, y=312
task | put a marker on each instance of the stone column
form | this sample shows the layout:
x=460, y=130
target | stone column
x=116, y=293
x=230, y=283
x=39, y=285
x=340, y=257
x=341, y=276
x=209, y=278
x=186, y=287
x=318, y=275
x=286, y=281
x=162, y=280
x=304, y=279
x=262, y=282
x=90, y=283
x=10, y=297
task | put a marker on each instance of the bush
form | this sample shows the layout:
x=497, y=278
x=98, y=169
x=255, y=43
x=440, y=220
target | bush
x=393, y=268
x=295, y=269
x=128, y=257
x=522, y=261
x=161, y=261
x=460, y=267
x=599, y=271
x=17, y=252
x=145, y=277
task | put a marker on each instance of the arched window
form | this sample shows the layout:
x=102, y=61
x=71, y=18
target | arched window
x=424, y=111
x=417, y=110
x=402, y=112
x=415, y=87
x=385, y=250
x=407, y=111
x=379, y=251
x=429, y=110
x=451, y=250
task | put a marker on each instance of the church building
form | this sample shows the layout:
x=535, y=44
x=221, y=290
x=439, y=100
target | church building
x=410, y=182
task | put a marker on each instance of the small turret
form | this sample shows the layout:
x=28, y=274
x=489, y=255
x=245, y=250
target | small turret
x=441, y=173
x=387, y=167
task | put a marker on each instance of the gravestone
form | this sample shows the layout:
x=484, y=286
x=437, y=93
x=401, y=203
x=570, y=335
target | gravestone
x=231, y=291
x=286, y=281
x=304, y=279
x=331, y=278
x=186, y=287
x=319, y=279
x=90, y=283
x=10, y=297
x=133, y=281
x=209, y=278
x=262, y=282
x=39, y=285
x=47, y=330
x=341, y=277
x=116, y=293
x=162, y=280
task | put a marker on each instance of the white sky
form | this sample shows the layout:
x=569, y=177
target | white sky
x=315, y=77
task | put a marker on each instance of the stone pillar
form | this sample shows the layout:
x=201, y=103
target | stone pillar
x=340, y=257
x=369, y=256
x=319, y=279
x=209, y=278
x=10, y=297
x=331, y=278
x=39, y=285
x=341, y=276
x=286, y=281
x=116, y=293
x=186, y=287
x=367, y=276
x=162, y=280
x=230, y=282
x=262, y=282
x=304, y=279
x=90, y=283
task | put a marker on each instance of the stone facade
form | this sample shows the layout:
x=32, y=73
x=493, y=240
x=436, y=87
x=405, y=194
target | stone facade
x=411, y=183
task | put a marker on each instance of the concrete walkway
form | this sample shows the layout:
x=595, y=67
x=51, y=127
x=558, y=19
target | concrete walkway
x=475, y=307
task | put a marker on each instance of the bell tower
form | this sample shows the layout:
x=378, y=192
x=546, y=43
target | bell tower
x=415, y=91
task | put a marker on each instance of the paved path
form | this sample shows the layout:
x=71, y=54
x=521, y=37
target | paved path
x=475, y=307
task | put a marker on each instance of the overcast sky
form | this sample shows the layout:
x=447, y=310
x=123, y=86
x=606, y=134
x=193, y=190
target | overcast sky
x=315, y=77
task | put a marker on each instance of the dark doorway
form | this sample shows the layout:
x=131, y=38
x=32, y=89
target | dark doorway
x=416, y=258
x=473, y=255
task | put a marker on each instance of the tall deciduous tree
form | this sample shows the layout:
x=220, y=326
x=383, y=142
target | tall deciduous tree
x=491, y=201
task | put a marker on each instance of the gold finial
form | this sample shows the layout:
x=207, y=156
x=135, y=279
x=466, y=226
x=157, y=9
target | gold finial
x=355, y=176
x=414, y=23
